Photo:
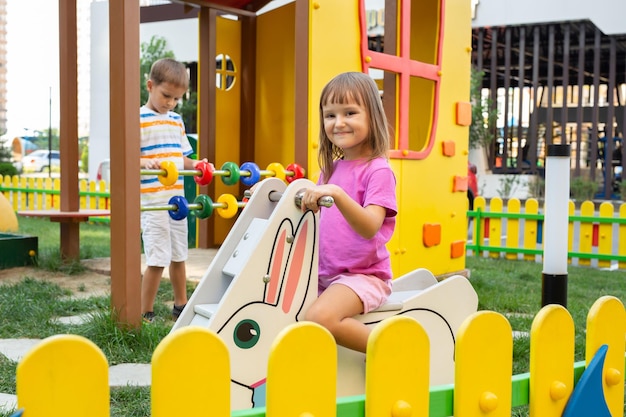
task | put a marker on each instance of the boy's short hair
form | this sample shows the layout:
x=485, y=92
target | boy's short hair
x=167, y=70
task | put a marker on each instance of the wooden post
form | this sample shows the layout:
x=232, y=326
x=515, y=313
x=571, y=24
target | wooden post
x=124, y=145
x=206, y=111
x=70, y=231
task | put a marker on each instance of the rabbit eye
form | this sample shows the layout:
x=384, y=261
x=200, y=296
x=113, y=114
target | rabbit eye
x=246, y=334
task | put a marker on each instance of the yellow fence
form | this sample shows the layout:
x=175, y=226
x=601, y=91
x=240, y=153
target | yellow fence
x=44, y=193
x=515, y=232
x=67, y=375
x=510, y=231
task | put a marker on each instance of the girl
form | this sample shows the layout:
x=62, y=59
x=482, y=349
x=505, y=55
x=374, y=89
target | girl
x=354, y=267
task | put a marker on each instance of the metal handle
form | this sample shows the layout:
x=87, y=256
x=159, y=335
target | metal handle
x=274, y=196
x=325, y=201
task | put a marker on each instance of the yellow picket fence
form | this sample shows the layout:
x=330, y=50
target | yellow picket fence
x=44, y=193
x=514, y=232
x=67, y=375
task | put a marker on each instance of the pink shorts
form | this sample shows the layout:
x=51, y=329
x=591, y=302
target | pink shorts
x=372, y=290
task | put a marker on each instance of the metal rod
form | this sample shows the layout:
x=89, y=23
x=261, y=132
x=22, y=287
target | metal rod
x=275, y=196
x=216, y=173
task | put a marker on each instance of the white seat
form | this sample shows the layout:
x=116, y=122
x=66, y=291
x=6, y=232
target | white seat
x=396, y=300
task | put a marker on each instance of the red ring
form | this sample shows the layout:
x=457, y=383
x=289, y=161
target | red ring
x=298, y=172
x=206, y=176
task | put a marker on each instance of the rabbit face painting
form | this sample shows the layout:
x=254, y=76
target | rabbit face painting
x=251, y=330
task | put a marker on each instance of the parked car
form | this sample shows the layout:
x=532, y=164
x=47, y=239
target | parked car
x=104, y=172
x=41, y=160
x=472, y=184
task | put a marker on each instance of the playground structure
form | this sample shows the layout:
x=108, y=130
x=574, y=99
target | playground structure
x=423, y=73
x=302, y=372
x=272, y=68
x=264, y=277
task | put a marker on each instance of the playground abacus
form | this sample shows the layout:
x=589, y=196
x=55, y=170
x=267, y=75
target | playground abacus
x=249, y=173
x=226, y=205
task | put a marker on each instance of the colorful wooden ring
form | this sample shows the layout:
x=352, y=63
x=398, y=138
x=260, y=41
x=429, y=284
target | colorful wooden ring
x=231, y=206
x=171, y=173
x=233, y=171
x=206, y=206
x=255, y=173
x=206, y=169
x=278, y=169
x=298, y=172
x=182, y=207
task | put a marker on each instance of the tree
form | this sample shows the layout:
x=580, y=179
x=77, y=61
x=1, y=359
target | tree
x=152, y=51
x=484, y=115
x=5, y=151
x=6, y=167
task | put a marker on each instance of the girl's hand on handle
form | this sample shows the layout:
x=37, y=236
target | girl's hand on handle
x=320, y=195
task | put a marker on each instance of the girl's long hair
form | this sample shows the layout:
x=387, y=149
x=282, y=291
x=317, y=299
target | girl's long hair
x=360, y=88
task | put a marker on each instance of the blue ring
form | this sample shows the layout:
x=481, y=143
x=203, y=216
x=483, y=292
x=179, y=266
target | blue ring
x=183, y=207
x=255, y=173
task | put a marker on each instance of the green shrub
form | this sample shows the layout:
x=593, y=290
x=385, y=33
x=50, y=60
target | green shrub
x=622, y=190
x=7, y=168
x=582, y=189
x=536, y=187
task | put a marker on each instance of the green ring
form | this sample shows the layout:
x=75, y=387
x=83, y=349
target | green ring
x=233, y=169
x=206, y=204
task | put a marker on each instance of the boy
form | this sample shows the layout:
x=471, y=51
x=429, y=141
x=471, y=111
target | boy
x=163, y=138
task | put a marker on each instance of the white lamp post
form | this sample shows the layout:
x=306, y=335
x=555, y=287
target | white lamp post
x=554, y=277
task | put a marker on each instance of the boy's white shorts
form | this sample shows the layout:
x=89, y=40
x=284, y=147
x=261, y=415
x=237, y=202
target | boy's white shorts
x=164, y=239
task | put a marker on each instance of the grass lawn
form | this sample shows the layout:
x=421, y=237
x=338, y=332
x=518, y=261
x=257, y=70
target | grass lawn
x=512, y=288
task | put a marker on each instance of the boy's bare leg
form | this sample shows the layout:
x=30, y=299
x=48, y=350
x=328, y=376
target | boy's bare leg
x=150, y=286
x=178, y=277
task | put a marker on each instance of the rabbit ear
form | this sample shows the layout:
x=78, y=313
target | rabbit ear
x=301, y=263
x=277, y=262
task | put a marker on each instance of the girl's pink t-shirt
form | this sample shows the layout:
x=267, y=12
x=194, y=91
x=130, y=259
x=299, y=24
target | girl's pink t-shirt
x=341, y=249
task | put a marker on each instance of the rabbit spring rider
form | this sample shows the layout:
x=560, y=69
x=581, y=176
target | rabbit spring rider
x=264, y=277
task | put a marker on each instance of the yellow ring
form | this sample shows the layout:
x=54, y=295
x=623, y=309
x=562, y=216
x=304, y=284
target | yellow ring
x=171, y=173
x=279, y=170
x=231, y=206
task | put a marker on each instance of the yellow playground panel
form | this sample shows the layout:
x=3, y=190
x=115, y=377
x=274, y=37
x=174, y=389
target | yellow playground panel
x=8, y=219
x=425, y=86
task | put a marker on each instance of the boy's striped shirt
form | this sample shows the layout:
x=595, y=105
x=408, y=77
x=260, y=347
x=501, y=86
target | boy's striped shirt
x=163, y=138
